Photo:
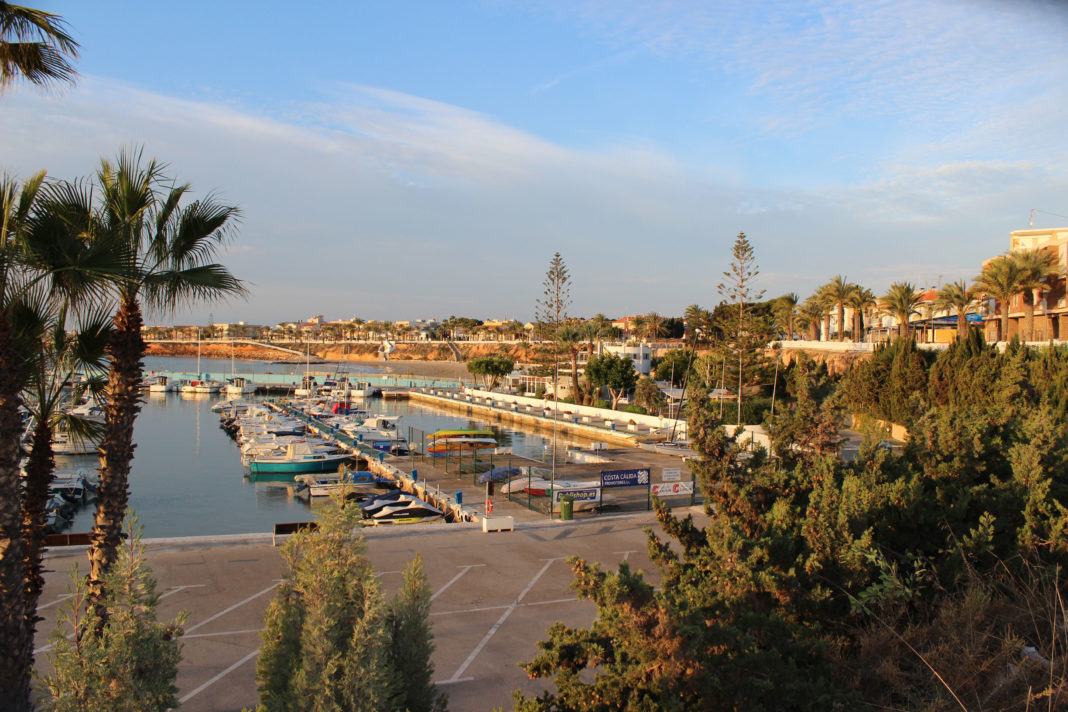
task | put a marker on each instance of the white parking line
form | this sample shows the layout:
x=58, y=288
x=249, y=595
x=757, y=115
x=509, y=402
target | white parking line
x=626, y=554
x=223, y=612
x=496, y=626
x=220, y=676
x=56, y=602
x=454, y=579
x=222, y=633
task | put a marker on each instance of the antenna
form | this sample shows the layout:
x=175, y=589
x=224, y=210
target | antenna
x=1031, y=222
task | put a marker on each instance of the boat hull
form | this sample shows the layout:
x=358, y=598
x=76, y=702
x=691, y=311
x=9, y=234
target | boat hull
x=298, y=467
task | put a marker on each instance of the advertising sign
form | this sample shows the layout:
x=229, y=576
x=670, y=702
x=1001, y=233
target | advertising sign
x=625, y=478
x=667, y=489
x=587, y=494
x=671, y=474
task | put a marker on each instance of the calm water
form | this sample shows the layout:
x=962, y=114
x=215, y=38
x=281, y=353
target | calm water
x=187, y=478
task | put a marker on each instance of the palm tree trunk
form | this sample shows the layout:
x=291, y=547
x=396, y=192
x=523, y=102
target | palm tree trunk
x=790, y=325
x=826, y=336
x=16, y=643
x=1029, y=315
x=962, y=326
x=1004, y=335
x=576, y=397
x=841, y=322
x=40, y=470
x=125, y=349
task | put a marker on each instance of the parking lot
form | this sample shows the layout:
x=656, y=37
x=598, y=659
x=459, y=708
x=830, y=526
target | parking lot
x=493, y=597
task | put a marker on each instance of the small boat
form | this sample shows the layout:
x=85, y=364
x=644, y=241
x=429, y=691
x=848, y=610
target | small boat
x=298, y=459
x=162, y=384
x=409, y=511
x=354, y=482
x=469, y=433
x=454, y=444
x=239, y=386
x=64, y=443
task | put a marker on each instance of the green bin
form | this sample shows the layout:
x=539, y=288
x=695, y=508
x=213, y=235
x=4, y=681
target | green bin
x=567, y=509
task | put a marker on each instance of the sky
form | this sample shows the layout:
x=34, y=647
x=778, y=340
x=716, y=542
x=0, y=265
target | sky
x=424, y=159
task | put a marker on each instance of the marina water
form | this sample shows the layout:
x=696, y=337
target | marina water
x=187, y=478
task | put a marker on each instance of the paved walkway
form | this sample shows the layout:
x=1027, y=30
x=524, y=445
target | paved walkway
x=494, y=595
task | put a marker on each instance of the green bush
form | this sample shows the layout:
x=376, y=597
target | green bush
x=601, y=404
x=754, y=409
x=633, y=409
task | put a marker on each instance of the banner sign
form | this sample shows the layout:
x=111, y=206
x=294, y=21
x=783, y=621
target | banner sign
x=588, y=494
x=671, y=474
x=625, y=478
x=667, y=489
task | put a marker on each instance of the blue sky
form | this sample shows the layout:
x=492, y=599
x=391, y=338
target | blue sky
x=425, y=159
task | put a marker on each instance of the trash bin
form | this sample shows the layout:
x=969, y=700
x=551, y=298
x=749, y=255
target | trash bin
x=459, y=497
x=567, y=509
x=415, y=475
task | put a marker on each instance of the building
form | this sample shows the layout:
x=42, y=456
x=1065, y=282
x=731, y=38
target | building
x=1051, y=304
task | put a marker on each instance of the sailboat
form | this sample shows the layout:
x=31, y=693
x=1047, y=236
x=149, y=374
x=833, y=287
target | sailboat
x=307, y=384
x=237, y=385
x=198, y=386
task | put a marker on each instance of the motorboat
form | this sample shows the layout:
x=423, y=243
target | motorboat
x=239, y=386
x=350, y=482
x=66, y=443
x=406, y=511
x=163, y=384
x=299, y=458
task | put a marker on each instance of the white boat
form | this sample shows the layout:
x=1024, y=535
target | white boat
x=362, y=389
x=64, y=443
x=162, y=384
x=239, y=386
x=205, y=385
x=406, y=511
x=326, y=485
x=377, y=428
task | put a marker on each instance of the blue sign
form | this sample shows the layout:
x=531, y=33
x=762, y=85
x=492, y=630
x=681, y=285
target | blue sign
x=625, y=478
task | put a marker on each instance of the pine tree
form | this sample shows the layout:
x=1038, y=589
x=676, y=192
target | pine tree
x=131, y=663
x=330, y=642
x=743, y=334
x=413, y=644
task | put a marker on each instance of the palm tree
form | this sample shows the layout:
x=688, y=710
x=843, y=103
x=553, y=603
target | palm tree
x=38, y=266
x=901, y=301
x=166, y=250
x=1000, y=279
x=860, y=300
x=785, y=311
x=62, y=352
x=809, y=316
x=1036, y=266
x=960, y=298
x=17, y=203
x=35, y=46
x=569, y=337
x=653, y=326
x=837, y=291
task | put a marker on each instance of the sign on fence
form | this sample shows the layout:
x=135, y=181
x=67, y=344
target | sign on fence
x=625, y=478
x=666, y=489
x=586, y=494
x=671, y=474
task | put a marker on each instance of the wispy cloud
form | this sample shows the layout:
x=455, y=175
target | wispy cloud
x=942, y=62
